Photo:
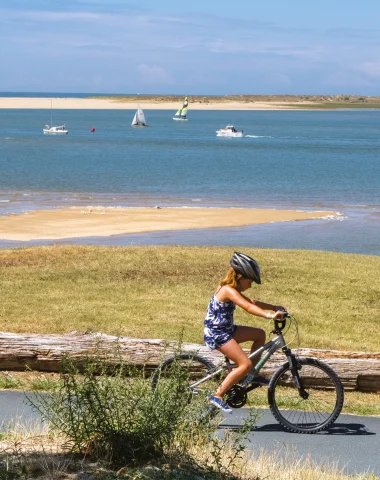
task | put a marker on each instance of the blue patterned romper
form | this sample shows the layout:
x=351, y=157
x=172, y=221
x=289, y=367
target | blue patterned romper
x=219, y=323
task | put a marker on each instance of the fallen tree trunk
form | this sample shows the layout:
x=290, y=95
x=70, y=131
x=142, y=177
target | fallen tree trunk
x=357, y=370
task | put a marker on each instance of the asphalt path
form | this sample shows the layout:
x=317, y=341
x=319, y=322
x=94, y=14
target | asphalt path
x=352, y=442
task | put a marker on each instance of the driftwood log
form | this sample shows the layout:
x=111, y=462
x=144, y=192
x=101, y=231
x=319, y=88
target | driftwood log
x=357, y=370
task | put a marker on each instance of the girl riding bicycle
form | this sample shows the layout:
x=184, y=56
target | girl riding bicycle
x=221, y=334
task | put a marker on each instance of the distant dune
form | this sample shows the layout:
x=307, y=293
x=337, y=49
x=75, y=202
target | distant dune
x=297, y=101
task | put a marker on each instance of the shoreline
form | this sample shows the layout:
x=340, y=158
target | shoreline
x=196, y=102
x=109, y=104
x=90, y=221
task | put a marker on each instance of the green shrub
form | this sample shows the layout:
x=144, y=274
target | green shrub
x=111, y=414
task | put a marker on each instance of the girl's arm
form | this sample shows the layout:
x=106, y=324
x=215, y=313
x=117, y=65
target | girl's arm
x=263, y=305
x=250, y=306
x=267, y=306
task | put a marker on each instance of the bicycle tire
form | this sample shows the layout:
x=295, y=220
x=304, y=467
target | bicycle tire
x=319, y=410
x=195, y=365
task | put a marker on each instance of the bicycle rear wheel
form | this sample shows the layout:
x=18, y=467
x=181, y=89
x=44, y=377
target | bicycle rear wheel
x=321, y=403
x=187, y=369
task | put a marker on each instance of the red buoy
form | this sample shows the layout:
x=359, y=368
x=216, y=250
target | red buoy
x=92, y=129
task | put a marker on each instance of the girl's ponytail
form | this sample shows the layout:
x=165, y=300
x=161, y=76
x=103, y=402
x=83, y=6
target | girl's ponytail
x=231, y=279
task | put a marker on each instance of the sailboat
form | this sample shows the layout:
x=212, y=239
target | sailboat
x=49, y=129
x=181, y=113
x=139, y=118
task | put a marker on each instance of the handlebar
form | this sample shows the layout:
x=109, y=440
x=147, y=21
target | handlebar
x=280, y=324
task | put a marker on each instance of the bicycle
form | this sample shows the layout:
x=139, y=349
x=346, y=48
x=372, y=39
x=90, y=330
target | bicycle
x=305, y=395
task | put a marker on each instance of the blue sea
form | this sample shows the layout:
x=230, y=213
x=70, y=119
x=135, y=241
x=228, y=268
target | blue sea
x=308, y=160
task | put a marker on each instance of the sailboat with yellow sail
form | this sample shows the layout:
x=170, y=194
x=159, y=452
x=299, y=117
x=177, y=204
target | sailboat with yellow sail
x=181, y=113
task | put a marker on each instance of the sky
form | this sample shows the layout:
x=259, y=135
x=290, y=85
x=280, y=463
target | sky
x=190, y=47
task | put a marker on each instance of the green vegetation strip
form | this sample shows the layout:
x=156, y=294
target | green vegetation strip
x=333, y=105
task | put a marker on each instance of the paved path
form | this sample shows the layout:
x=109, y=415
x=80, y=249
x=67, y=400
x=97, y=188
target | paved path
x=15, y=409
x=352, y=442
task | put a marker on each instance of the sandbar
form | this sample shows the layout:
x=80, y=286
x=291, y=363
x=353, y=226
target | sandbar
x=109, y=104
x=100, y=221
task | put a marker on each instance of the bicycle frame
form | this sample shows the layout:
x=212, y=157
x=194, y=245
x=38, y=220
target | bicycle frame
x=295, y=379
x=271, y=346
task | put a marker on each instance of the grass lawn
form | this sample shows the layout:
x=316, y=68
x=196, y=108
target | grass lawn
x=155, y=292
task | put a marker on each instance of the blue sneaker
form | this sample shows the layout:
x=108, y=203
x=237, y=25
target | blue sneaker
x=220, y=403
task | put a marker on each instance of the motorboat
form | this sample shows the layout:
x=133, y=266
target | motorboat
x=229, y=131
x=61, y=129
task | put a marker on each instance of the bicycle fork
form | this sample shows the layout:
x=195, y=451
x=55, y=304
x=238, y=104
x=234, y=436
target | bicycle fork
x=295, y=368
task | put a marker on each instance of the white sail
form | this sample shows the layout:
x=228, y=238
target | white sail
x=139, y=118
x=181, y=112
x=50, y=129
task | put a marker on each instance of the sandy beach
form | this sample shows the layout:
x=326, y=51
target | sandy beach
x=108, y=104
x=99, y=221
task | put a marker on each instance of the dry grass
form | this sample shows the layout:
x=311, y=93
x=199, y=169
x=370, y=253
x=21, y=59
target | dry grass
x=288, y=465
x=292, y=467
x=154, y=292
x=42, y=455
x=28, y=380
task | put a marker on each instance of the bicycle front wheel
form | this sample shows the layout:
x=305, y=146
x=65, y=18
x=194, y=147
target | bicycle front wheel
x=312, y=407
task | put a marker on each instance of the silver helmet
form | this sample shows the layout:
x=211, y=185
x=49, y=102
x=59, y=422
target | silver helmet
x=246, y=266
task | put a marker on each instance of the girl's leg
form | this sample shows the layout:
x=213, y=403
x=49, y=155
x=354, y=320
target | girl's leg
x=233, y=351
x=251, y=334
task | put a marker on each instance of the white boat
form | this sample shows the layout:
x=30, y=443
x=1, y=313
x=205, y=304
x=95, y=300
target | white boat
x=229, y=131
x=58, y=130
x=61, y=129
x=182, y=112
x=139, y=118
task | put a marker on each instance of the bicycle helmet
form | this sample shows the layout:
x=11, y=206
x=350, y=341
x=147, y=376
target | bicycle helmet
x=246, y=266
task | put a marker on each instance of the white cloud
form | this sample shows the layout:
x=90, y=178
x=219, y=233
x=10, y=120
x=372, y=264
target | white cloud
x=372, y=69
x=211, y=48
x=47, y=16
x=254, y=47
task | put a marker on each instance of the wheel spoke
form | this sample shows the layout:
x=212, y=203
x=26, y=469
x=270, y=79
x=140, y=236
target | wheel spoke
x=186, y=369
x=320, y=409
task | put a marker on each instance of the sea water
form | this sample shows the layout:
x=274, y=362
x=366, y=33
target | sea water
x=307, y=160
